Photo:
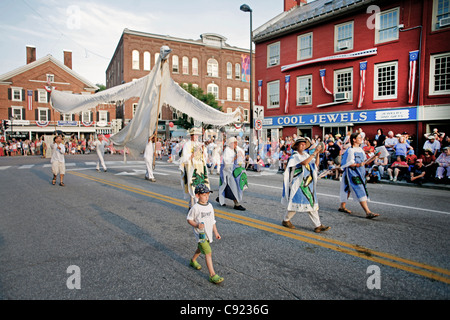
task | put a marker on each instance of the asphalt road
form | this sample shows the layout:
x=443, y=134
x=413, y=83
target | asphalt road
x=115, y=236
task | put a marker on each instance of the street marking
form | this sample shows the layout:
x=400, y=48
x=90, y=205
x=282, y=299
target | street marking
x=432, y=272
x=4, y=167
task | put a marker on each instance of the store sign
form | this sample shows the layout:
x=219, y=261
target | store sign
x=68, y=123
x=368, y=116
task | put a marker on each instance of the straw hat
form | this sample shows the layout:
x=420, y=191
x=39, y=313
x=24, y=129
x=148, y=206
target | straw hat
x=302, y=139
x=193, y=131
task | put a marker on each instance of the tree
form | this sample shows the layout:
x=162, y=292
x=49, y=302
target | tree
x=187, y=122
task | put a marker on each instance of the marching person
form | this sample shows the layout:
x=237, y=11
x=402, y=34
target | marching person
x=299, y=184
x=148, y=157
x=100, y=144
x=193, y=165
x=57, y=160
x=354, y=175
x=233, y=177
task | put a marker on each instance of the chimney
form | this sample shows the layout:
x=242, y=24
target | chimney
x=289, y=4
x=68, y=59
x=31, y=54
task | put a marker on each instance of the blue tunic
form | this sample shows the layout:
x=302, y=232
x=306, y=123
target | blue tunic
x=353, y=178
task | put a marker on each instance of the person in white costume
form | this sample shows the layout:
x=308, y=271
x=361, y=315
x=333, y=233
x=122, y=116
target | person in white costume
x=100, y=144
x=193, y=166
x=57, y=160
x=148, y=157
x=233, y=177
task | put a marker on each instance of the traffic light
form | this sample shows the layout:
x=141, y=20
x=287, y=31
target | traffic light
x=5, y=125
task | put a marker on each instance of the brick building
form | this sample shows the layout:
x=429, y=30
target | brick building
x=208, y=63
x=326, y=50
x=25, y=106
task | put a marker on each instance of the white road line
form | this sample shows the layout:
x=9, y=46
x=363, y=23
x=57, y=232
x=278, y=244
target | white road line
x=26, y=166
x=4, y=167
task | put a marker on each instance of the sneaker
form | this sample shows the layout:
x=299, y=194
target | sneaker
x=321, y=228
x=216, y=279
x=395, y=179
x=239, y=207
x=288, y=224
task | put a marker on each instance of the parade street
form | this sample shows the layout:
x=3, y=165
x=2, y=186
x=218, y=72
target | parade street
x=115, y=235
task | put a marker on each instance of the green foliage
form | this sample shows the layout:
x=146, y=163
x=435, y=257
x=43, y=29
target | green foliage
x=187, y=122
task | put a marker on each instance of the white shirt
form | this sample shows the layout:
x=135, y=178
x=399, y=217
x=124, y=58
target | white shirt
x=203, y=213
x=100, y=146
x=148, y=153
x=57, y=154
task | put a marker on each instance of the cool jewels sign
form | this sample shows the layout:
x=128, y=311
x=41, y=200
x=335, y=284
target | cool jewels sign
x=403, y=114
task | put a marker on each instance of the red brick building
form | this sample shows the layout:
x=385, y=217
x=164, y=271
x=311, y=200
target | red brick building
x=323, y=51
x=25, y=106
x=208, y=63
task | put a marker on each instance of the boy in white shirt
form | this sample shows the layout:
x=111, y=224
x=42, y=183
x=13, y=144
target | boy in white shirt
x=57, y=160
x=201, y=218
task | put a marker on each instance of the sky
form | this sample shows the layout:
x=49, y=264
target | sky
x=92, y=29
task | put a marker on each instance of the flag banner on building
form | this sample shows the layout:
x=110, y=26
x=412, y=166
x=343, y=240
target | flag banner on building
x=286, y=86
x=362, y=82
x=153, y=90
x=345, y=56
x=413, y=56
x=49, y=88
x=260, y=82
x=322, y=78
x=30, y=99
x=245, y=70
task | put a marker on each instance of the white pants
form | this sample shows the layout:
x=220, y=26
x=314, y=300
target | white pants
x=314, y=215
x=100, y=160
x=149, y=165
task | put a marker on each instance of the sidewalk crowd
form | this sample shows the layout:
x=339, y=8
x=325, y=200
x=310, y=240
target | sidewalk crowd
x=431, y=163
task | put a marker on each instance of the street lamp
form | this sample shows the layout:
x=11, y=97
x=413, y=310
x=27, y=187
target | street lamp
x=246, y=8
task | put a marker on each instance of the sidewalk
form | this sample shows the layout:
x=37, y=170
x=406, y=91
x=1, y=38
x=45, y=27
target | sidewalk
x=431, y=185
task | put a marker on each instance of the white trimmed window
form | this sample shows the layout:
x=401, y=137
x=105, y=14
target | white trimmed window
x=213, y=89
x=16, y=94
x=273, y=94
x=229, y=93
x=237, y=71
x=175, y=65
x=135, y=60
x=304, y=90
x=440, y=74
x=229, y=70
x=16, y=113
x=50, y=78
x=343, y=36
x=67, y=116
x=386, y=78
x=273, y=54
x=441, y=14
x=195, y=66
x=43, y=114
x=103, y=115
x=185, y=62
x=212, y=68
x=237, y=94
x=42, y=96
x=86, y=116
x=343, y=80
x=147, y=58
x=386, y=25
x=304, y=46
x=246, y=95
x=134, y=108
x=246, y=117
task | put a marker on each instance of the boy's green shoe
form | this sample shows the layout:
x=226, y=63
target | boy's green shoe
x=195, y=265
x=216, y=279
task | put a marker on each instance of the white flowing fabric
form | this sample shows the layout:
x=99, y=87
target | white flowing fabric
x=157, y=87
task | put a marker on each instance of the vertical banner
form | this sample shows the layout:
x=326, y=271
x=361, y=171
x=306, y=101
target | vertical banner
x=30, y=99
x=322, y=78
x=362, y=82
x=286, y=86
x=413, y=56
x=260, y=82
x=245, y=68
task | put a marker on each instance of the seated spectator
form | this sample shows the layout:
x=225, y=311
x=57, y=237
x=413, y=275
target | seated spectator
x=374, y=175
x=402, y=147
x=398, y=167
x=283, y=160
x=432, y=144
x=443, y=162
x=417, y=175
x=258, y=164
x=411, y=159
x=368, y=149
x=429, y=162
x=381, y=164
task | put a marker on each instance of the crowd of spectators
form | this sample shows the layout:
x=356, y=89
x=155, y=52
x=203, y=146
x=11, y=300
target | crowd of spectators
x=398, y=160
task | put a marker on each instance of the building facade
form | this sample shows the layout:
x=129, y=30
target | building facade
x=25, y=106
x=208, y=63
x=333, y=66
